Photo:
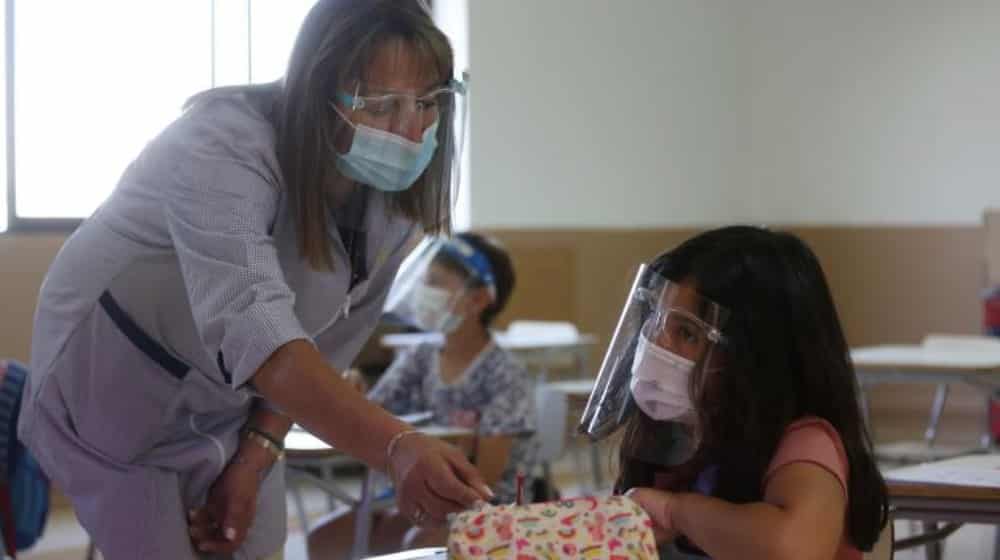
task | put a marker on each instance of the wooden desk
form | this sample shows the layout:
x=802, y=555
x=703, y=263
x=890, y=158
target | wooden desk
x=949, y=492
x=964, y=489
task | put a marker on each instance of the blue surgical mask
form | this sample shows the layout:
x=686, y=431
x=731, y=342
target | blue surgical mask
x=387, y=161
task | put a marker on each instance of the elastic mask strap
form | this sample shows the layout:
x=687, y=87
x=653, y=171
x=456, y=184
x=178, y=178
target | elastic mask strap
x=336, y=109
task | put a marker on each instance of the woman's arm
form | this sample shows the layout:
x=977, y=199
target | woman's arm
x=298, y=380
x=433, y=478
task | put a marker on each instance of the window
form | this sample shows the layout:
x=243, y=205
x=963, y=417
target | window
x=273, y=27
x=91, y=86
x=89, y=91
x=86, y=103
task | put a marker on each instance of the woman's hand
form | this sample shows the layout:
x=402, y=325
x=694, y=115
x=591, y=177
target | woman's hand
x=658, y=505
x=433, y=479
x=221, y=525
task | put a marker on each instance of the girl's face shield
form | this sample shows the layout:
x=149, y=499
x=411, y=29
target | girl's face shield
x=670, y=315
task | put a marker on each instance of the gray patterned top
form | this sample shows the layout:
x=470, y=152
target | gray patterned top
x=495, y=386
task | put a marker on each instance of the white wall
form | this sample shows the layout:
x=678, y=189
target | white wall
x=592, y=113
x=598, y=113
x=453, y=17
x=862, y=112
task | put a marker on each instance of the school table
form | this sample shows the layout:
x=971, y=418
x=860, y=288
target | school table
x=954, y=491
x=978, y=368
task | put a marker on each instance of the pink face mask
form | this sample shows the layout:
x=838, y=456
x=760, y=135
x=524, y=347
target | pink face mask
x=660, y=382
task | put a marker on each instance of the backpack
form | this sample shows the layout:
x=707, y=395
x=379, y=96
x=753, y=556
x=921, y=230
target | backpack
x=24, y=488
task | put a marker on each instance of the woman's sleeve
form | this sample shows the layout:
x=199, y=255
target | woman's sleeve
x=219, y=212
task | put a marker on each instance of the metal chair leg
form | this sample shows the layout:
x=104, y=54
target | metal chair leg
x=300, y=507
x=996, y=544
x=937, y=409
x=932, y=550
x=986, y=441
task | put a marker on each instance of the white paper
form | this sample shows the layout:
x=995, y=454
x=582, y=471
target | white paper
x=954, y=476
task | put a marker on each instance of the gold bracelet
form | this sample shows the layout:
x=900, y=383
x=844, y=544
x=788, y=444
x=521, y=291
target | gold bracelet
x=393, y=443
x=266, y=443
x=265, y=434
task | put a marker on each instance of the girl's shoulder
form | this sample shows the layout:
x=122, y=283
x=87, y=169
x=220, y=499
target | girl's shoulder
x=811, y=440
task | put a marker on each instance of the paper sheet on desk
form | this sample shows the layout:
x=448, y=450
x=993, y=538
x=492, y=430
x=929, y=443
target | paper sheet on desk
x=954, y=476
x=417, y=418
x=413, y=419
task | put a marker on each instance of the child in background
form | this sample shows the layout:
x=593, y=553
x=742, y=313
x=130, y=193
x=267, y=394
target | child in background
x=743, y=435
x=468, y=381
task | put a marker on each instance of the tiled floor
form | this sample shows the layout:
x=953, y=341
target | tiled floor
x=65, y=540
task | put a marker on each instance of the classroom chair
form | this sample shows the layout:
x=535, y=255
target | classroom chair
x=551, y=412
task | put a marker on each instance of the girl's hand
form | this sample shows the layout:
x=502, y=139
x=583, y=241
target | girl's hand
x=658, y=505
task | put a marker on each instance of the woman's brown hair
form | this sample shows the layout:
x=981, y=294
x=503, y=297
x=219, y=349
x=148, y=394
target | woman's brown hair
x=337, y=41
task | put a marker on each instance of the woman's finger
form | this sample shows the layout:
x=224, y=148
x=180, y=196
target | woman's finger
x=466, y=485
x=435, y=507
x=237, y=521
x=201, y=517
x=451, y=489
x=217, y=546
x=200, y=533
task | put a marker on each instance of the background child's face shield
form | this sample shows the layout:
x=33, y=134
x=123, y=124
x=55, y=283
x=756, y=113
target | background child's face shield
x=671, y=315
x=445, y=268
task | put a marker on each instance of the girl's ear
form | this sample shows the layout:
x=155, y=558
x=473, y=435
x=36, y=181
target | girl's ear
x=474, y=302
x=479, y=300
